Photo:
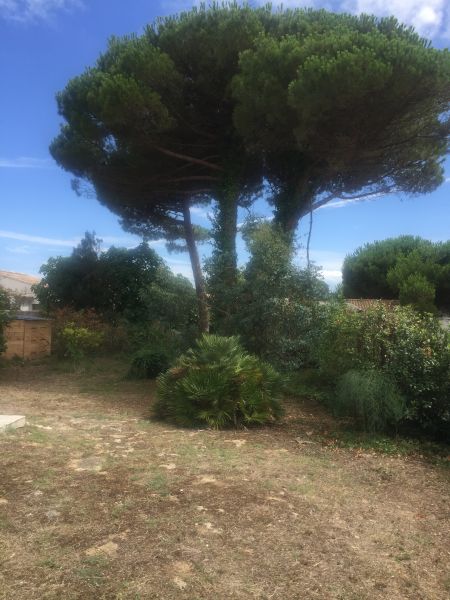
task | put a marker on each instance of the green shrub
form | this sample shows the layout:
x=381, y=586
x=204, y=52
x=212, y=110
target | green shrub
x=277, y=317
x=5, y=305
x=112, y=336
x=370, y=398
x=412, y=349
x=79, y=341
x=148, y=363
x=418, y=292
x=217, y=383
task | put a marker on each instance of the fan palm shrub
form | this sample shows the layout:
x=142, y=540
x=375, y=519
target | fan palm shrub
x=218, y=384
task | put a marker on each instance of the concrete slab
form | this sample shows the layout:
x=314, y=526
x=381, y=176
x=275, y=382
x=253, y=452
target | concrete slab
x=11, y=422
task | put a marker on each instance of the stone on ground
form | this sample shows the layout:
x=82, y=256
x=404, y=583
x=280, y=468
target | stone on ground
x=11, y=422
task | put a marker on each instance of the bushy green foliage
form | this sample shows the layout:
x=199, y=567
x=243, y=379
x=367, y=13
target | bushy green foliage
x=412, y=349
x=211, y=103
x=79, y=341
x=414, y=270
x=130, y=296
x=304, y=96
x=114, y=336
x=217, y=383
x=5, y=306
x=148, y=363
x=170, y=301
x=417, y=291
x=371, y=398
x=278, y=312
x=364, y=272
x=109, y=282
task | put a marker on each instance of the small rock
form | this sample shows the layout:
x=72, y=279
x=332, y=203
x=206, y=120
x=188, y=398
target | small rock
x=206, y=479
x=237, y=443
x=91, y=463
x=3, y=501
x=52, y=514
x=179, y=583
x=110, y=549
x=182, y=567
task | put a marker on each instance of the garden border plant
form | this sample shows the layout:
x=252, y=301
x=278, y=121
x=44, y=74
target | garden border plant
x=411, y=349
x=218, y=384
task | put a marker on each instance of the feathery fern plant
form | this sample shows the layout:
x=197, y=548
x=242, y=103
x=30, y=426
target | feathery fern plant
x=217, y=383
x=371, y=398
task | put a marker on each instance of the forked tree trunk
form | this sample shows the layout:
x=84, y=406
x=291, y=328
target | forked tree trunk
x=199, y=281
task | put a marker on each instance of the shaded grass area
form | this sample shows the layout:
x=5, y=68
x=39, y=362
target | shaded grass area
x=99, y=501
x=343, y=434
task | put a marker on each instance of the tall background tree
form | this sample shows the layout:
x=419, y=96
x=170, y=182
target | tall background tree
x=343, y=106
x=210, y=104
x=151, y=128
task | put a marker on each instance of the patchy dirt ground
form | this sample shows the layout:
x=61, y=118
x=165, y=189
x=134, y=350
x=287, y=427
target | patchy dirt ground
x=97, y=501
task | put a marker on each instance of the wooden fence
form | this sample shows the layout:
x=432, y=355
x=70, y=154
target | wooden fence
x=28, y=338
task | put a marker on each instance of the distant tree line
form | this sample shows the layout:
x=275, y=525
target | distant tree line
x=410, y=269
x=118, y=284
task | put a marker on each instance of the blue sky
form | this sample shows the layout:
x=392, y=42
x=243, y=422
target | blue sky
x=43, y=43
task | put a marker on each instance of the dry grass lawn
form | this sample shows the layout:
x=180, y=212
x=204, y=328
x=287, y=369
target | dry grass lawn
x=98, y=501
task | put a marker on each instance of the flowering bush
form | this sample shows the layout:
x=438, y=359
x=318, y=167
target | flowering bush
x=79, y=341
x=412, y=349
x=113, y=337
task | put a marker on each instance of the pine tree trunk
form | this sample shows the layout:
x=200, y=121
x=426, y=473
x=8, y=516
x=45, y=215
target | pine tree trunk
x=203, y=310
x=308, y=243
x=226, y=236
x=224, y=275
x=295, y=205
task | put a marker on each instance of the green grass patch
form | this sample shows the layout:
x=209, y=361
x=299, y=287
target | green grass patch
x=158, y=483
x=356, y=440
x=92, y=570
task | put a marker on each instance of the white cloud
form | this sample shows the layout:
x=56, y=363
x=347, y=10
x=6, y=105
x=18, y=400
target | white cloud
x=35, y=10
x=429, y=17
x=329, y=261
x=340, y=203
x=199, y=212
x=332, y=277
x=69, y=243
x=19, y=249
x=180, y=267
x=25, y=162
x=344, y=203
x=35, y=239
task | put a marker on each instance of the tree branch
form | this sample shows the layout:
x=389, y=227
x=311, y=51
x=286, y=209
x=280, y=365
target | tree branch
x=187, y=158
x=357, y=197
